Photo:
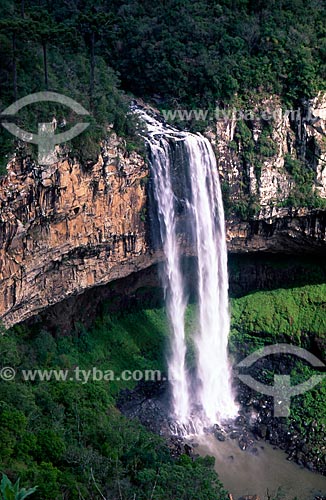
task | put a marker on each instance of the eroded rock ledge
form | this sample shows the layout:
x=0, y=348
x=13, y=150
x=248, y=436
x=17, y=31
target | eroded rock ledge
x=289, y=231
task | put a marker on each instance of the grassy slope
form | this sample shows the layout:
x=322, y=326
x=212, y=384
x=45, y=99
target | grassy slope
x=295, y=316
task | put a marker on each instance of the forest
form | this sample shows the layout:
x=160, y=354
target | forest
x=176, y=53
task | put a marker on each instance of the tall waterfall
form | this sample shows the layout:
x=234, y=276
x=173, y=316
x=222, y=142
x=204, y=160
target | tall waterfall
x=173, y=279
x=210, y=399
x=214, y=392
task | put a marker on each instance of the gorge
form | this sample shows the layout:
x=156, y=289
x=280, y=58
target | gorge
x=59, y=224
x=77, y=236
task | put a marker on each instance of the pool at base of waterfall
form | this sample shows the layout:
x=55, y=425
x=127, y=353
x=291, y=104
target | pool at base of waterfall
x=267, y=473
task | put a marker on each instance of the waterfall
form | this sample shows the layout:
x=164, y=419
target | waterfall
x=210, y=399
x=214, y=392
x=173, y=280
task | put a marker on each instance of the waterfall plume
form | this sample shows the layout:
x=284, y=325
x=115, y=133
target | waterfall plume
x=206, y=398
x=213, y=390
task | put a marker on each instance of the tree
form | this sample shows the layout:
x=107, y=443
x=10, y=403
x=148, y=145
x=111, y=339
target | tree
x=22, y=9
x=17, y=28
x=93, y=24
x=45, y=34
x=46, y=31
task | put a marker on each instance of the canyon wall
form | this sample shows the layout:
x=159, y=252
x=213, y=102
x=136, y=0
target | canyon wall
x=68, y=228
x=64, y=228
x=273, y=167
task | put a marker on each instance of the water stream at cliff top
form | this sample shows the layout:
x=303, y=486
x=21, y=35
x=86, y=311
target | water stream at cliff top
x=206, y=397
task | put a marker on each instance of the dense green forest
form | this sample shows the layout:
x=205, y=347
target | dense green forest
x=178, y=52
x=187, y=52
x=69, y=439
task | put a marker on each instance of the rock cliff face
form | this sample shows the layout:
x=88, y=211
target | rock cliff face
x=255, y=148
x=269, y=158
x=68, y=228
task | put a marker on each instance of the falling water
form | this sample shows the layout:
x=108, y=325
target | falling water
x=202, y=197
x=161, y=162
x=214, y=392
x=173, y=280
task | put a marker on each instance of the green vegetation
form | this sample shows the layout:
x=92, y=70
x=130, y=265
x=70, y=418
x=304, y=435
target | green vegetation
x=246, y=208
x=182, y=55
x=302, y=194
x=198, y=54
x=178, y=54
x=53, y=46
x=10, y=491
x=252, y=154
x=295, y=316
x=69, y=439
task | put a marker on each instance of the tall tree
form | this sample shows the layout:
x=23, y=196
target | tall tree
x=93, y=24
x=18, y=29
x=46, y=32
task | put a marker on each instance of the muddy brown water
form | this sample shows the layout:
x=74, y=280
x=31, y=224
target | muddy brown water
x=268, y=472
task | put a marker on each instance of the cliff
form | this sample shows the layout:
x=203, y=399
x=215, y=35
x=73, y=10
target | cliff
x=272, y=164
x=67, y=228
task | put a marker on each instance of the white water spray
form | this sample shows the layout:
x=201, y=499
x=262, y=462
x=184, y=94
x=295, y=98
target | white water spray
x=214, y=391
x=213, y=394
x=173, y=280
